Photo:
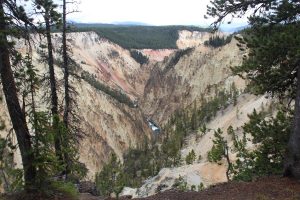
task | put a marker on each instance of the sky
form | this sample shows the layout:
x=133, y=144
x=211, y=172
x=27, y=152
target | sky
x=152, y=12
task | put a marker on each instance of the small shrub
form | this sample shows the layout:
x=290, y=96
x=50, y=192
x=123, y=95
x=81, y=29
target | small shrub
x=111, y=179
x=193, y=188
x=200, y=187
x=190, y=158
x=203, y=130
x=180, y=184
x=217, y=151
x=220, y=150
x=66, y=188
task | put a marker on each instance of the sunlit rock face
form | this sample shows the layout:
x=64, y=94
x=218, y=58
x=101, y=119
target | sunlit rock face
x=191, y=39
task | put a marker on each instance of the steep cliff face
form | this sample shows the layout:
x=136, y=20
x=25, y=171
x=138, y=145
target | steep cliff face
x=108, y=125
x=110, y=63
x=186, y=75
x=202, y=171
x=157, y=55
x=173, y=79
x=191, y=39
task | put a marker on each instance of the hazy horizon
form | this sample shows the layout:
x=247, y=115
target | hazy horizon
x=137, y=23
x=155, y=12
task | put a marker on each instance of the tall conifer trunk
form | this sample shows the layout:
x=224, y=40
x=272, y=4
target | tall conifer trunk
x=54, y=98
x=292, y=161
x=66, y=69
x=17, y=118
x=66, y=84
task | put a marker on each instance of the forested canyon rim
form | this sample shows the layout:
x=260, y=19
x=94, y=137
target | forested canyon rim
x=152, y=119
x=156, y=93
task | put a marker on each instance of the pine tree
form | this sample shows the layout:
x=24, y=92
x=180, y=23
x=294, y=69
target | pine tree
x=234, y=93
x=9, y=9
x=111, y=178
x=71, y=120
x=43, y=133
x=191, y=157
x=47, y=9
x=65, y=66
x=220, y=150
x=270, y=134
x=273, y=63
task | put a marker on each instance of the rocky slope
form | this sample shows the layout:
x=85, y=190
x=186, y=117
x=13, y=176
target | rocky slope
x=176, y=83
x=191, y=39
x=187, y=75
x=276, y=188
x=109, y=126
x=202, y=171
x=174, y=79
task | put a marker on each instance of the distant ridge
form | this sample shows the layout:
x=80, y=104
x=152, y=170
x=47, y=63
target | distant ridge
x=133, y=36
x=131, y=23
x=87, y=25
x=114, y=24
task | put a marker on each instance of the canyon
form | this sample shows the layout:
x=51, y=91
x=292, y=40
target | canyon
x=173, y=79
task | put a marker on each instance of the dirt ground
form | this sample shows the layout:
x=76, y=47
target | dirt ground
x=262, y=189
x=275, y=188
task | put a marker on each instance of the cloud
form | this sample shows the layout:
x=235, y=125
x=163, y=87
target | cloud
x=157, y=12
x=153, y=12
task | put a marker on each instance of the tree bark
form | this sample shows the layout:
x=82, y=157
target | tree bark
x=17, y=118
x=54, y=98
x=66, y=69
x=35, y=122
x=66, y=85
x=292, y=160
